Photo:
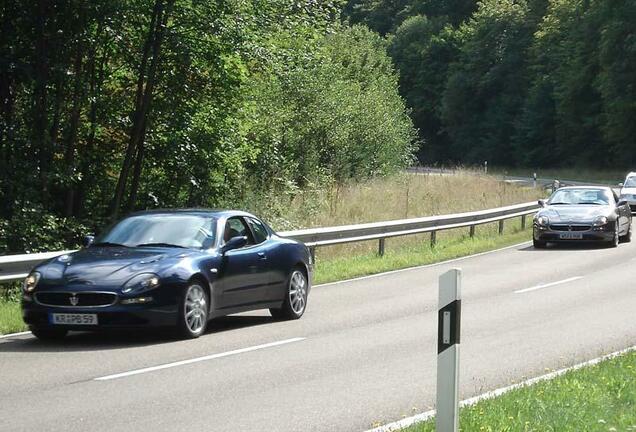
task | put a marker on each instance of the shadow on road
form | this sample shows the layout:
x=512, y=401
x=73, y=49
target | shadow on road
x=583, y=246
x=120, y=339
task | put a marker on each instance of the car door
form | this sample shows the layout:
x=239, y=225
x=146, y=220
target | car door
x=243, y=279
x=267, y=251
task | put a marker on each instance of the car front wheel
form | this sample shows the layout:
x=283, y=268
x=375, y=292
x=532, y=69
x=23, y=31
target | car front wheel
x=296, y=297
x=616, y=239
x=627, y=237
x=193, y=311
x=539, y=244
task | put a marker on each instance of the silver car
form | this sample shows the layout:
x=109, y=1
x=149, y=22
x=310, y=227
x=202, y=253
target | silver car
x=628, y=190
x=582, y=213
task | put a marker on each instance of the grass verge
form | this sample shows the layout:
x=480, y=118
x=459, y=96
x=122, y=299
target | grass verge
x=402, y=254
x=10, y=317
x=595, y=398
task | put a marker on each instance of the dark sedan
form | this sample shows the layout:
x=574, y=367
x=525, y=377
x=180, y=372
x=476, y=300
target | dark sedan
x=582, y=214
x=173, y=268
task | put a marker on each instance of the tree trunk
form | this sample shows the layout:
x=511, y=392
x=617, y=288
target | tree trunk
x=162, y=21
x=39, y=113
x=69, y=154
x=134, y=134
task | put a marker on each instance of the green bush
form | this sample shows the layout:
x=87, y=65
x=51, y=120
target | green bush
x=32, y=229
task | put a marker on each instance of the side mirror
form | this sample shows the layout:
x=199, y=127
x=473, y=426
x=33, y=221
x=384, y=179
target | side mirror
x=234, y=243
x=541, y=203
x=88, y=241
x=621, y=203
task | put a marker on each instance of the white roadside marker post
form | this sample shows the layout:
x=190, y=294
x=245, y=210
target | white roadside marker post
x=448, y=322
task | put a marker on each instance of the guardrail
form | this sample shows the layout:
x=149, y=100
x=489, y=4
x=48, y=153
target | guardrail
x=15, y=267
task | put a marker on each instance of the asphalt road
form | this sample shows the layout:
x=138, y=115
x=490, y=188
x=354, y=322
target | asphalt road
x=368, y=355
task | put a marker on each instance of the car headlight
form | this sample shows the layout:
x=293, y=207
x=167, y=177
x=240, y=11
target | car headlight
x=542, y=220
x=31, y=281
x=600, y=221
x=141, y=282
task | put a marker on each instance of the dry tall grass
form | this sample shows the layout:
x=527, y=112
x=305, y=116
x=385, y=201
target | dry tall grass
x=399, y=197
x=403, y=196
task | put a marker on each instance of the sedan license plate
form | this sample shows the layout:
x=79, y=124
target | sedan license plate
x=571, y=236
x=73, y=319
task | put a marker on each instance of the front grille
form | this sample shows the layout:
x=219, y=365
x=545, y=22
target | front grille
x=81, y=299
x=570, y=227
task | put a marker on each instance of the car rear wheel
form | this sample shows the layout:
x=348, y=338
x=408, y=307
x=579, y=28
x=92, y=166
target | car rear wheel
x=193, y=311
x=539, y=244
x=48, y=334
x=296, y=297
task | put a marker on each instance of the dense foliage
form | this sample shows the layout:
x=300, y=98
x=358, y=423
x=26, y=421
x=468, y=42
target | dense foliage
x=516, y=82
x=109, y=106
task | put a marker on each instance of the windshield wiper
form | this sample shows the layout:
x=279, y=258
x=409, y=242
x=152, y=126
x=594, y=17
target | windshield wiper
x=160, y=245
x=109, y=244
x=560, y=203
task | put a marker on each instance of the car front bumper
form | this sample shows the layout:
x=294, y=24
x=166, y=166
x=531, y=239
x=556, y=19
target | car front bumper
x=161, y=311
x=593, y=234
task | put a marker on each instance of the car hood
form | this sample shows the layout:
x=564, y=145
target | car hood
x=108, y=266
x=575, y=213
x=628, y=191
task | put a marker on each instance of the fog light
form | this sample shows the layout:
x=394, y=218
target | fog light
x=137, y=300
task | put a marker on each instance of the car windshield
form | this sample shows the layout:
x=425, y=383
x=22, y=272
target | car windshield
x=630, y=182
x=164, y=230
x=581, y=196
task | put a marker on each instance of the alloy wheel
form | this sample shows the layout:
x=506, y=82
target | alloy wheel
x=195, y=309
x=298, y=292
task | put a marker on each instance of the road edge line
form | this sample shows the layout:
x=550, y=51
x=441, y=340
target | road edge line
x=418, y=418
x=15, y=334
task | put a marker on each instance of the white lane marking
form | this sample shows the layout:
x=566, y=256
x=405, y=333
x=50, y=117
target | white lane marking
x=418, y=418
x=197, y=359
x=538, y=287
x=14, y=334
x=423, y=266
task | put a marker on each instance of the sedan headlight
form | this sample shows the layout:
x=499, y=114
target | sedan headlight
x=141, y=282
x=600, y=221
x=31, y=282
x=542, y=220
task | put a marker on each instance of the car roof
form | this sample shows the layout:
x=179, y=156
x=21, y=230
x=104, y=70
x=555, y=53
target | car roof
x=631, y=174
x=586, y=187
x=218, y=213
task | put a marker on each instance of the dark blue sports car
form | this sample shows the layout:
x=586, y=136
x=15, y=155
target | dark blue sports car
x=170, y=268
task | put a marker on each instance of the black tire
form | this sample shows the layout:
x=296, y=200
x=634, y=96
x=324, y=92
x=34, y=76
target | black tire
x=194, y=311
x=616, y=239
x=48, y=334
x=296, y=296
x=627, y=237
x=539, y=244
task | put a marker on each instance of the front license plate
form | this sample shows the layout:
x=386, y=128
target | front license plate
x=571, y=236
x=73, y=319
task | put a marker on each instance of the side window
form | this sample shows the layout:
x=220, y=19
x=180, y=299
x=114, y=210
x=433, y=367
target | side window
x=260, y=232
x=235, y=227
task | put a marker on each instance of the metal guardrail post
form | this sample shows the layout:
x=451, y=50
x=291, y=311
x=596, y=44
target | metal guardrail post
x=523, y=222
x=381, y=247
x=433, y=238
x=501, y=226
x=312, y=252
x=472, y=230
